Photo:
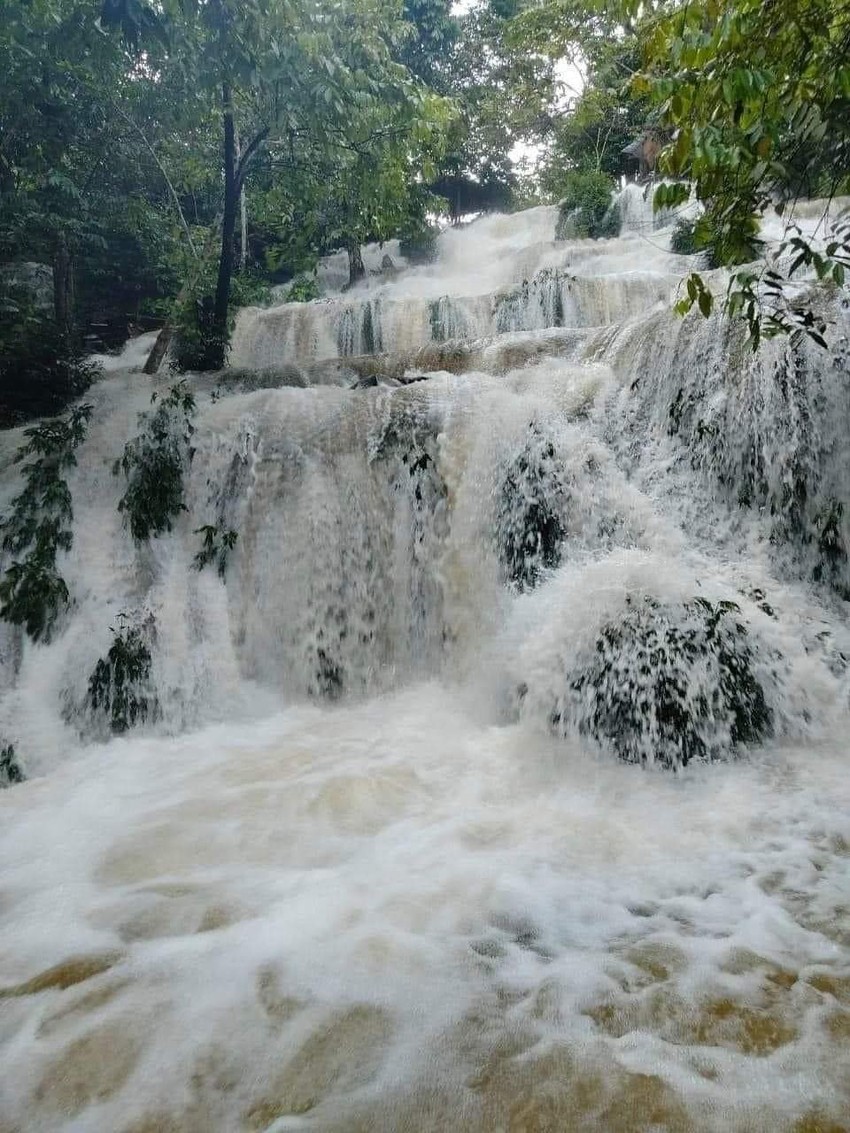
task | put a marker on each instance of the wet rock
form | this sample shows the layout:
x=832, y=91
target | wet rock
x=388, y=268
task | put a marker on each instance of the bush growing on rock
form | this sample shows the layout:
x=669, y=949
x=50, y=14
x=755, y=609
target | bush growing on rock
x=529, y=528
x=304, y=289
x=586, y=208
x=669, y=684
x=216, y=545
x=688, y=239
x=119, y=687
x=420, y=247
x=10, y=768
x=41, y=369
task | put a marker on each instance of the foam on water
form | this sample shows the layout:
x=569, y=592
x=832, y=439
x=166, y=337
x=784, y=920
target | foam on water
x=395, y=916
x=442, y=901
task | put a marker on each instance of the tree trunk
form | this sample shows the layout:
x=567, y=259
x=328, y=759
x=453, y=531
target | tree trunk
x=243, y=209
x=356, y=270
x=63, y=288
x=160, y=347
x=218, y=348
x=243, y=230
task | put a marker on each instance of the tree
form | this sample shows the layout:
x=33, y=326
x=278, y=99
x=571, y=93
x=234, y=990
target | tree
x=596, y=115
x=429, y=41
x=75, y=183
x=316, y=83
x=504, y=93
x=758, y=95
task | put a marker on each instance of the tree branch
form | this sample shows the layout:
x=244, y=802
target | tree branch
x=245, y=160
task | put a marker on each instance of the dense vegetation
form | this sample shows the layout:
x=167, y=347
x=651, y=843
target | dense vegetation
x=161, y=162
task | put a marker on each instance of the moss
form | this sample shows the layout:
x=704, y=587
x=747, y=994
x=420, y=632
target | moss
x=368, y=330
x=830, y=542
x=543, y=293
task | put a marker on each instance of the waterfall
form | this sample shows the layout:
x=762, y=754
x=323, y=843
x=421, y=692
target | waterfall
x=497, y=779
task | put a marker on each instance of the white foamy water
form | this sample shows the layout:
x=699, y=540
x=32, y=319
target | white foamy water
x=376, y=864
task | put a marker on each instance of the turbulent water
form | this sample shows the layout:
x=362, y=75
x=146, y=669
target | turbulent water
x=502, y=781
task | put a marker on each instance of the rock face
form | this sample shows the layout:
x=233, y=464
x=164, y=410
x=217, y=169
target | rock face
x=668, y=684
x=30, y=279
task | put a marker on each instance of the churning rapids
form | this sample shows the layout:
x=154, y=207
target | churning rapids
x=502, y=783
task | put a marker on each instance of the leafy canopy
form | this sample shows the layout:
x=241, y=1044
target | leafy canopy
x=758, y=97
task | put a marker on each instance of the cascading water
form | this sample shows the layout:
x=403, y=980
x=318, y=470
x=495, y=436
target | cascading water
x=400, y=848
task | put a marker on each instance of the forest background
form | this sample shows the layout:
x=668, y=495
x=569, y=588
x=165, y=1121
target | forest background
x=163, y=163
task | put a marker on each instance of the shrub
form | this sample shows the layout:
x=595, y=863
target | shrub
x=670, y=684
x=249, y=289
x=689, y=239
x=586, y=208
x=420, y=246
x=10, y=769
x=32, y=592
x=217, y=544
x=155, y=463
x=529, y=529
x=610, y=224
x=197, y=345
x=119, y=687
x=303, y=289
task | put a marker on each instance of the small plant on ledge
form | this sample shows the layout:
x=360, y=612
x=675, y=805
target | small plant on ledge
x=120, y=686
x=32, y=592
x=216, y=546
x=10, y=769
x=155, y=464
